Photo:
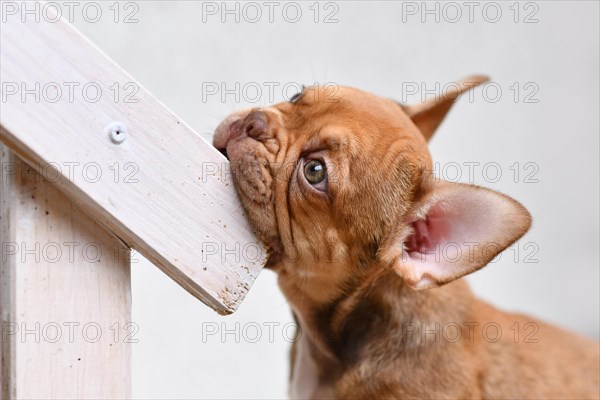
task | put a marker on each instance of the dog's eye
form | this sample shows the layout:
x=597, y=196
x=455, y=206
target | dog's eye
x=297, y=96
x=314, y=171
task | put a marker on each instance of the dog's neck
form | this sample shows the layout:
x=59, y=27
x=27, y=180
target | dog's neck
x=374, y=310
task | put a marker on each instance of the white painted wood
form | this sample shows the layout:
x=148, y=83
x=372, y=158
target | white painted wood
x=65, y=295
x=163, y=190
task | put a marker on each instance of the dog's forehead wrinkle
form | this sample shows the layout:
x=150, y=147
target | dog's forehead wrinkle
x=327, y=138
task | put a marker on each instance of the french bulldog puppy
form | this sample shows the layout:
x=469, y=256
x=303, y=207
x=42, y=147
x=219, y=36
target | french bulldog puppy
x=369, y=248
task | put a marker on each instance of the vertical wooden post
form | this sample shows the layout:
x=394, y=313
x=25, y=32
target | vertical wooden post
x=65, y=294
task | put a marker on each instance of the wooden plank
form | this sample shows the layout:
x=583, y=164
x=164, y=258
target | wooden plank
x=65, y=295
x=163, y=190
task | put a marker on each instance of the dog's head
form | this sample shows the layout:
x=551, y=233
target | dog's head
x=338, y=182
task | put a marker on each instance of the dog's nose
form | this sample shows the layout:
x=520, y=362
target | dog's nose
x=254, y=125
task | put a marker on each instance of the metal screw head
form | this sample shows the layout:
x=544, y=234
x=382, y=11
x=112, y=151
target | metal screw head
x=117, y=132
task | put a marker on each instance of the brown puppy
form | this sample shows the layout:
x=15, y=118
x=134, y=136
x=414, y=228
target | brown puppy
x=368, y=247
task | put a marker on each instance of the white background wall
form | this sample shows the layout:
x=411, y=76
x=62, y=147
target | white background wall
x=175, y=50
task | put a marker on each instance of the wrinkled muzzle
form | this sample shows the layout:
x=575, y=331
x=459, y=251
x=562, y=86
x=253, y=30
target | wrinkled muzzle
x=241, y=138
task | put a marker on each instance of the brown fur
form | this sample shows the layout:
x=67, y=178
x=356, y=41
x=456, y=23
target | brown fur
x=337, y=257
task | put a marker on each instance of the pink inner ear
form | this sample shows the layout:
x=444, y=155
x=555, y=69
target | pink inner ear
x=438, y=248
x=464, y=228
x=436, y=244
x=431, y=232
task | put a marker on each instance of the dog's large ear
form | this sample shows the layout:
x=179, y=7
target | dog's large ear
x=453, y=230
x=429, y=115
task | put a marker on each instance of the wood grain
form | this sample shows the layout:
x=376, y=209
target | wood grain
x=65, y=296
x=163, y=190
